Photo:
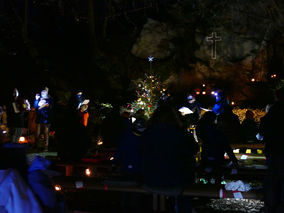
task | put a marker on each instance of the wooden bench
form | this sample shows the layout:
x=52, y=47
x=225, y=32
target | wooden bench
x=158, y=200
x=195, y=190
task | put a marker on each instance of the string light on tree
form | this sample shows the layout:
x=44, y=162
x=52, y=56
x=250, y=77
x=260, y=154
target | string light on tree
x=149, y=91
x=273, y=76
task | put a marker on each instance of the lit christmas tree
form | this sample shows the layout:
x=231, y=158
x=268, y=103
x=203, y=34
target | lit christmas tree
x=149, y=91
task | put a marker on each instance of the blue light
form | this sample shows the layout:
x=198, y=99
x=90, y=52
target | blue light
x=150, y=58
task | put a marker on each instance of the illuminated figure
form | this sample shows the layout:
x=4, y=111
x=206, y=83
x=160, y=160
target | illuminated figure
x=221, y=103
x=17, y=116
x=194, y=106
x=79, y=99
x=83, y=113
x=43, y=105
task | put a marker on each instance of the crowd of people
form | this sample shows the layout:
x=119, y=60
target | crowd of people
x=161, y=151
x=19, y=117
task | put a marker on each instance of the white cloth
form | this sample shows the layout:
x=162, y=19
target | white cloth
x=15, y=195
x=238, y=186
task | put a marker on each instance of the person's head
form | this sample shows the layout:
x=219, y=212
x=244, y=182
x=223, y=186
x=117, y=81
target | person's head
x=165, y=114
x=79, y=94
x=44, y=94
x=208, y=118
x=191, y=98
x=249, y=114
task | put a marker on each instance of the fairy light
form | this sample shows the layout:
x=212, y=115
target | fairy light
x=273, y=76
x=57, y=188
x=253, y=80
x=88, y=172
x=100, y=142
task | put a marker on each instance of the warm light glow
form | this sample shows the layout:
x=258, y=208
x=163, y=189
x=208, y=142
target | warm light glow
x=111, y=158
x=22, y=140
x=233, y=103
x=248, y=151
x=212, y=93
x=57, y=187
x=88, y=172
x=259, y=151
x=273, y=76
x=100, y=142
x=203, y=93
x=252, y=80
x=197, y=93
x=203, y=85
x=236, y=151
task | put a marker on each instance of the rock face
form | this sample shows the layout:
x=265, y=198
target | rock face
x=247, y=30
x=155, y=40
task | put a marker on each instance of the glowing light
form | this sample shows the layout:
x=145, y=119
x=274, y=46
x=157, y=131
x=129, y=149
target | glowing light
x=248, y=151
x=100, y=142
x=203, y=93
x=212, y=93
x=253, y=80
x=150, y=58
x=88, y=172
x=133, y=119
x=244, y=157
x=22, y=140
x=233, y=103
x=273, y=76
x=111, y=158
x=57, y=188
x=259, y=151
x=197, y=93
x=236, y=150
x=203, y=85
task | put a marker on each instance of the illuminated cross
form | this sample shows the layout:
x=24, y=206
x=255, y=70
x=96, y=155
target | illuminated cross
x=213, y=39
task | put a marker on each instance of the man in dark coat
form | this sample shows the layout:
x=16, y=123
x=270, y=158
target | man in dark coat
x=271, y=129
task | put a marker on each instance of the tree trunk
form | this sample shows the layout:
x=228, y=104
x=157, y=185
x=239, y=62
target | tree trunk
x=92, y=28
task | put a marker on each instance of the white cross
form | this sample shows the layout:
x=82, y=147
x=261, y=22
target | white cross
x=213, y=39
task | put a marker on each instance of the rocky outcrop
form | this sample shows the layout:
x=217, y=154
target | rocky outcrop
x=154, y=40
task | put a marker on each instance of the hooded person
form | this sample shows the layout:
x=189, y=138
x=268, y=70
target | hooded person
x=40, y=182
